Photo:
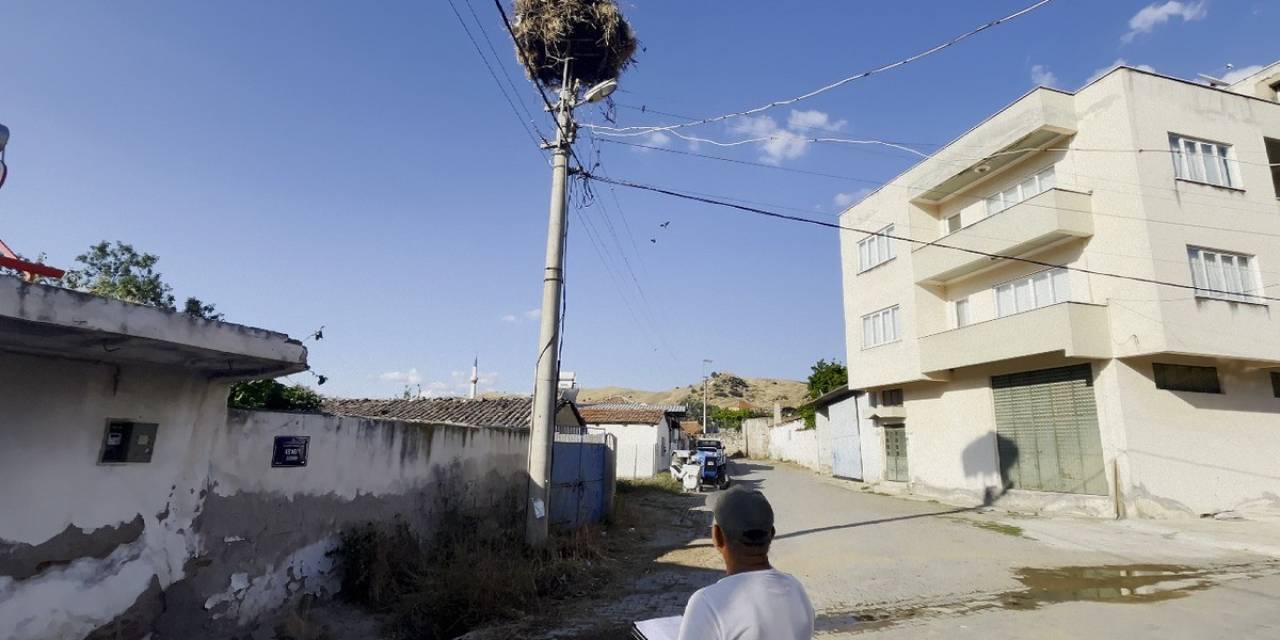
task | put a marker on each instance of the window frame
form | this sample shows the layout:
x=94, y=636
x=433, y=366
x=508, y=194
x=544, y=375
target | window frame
x=967, y=320
x=1038, y=178
x=1053, y=280
x=883, y=246
x=946, y=224
x=1184, y=148
x=1246, y=276
x=1163, y=371
x=895, y=316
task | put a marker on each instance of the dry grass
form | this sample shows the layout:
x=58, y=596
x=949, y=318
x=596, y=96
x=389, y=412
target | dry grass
x=660, y=482
x=464, y=578
x=592, y=33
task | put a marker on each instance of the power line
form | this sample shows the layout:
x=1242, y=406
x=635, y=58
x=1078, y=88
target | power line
x=976, y=199
x=498, y=60
x=832, y=225
x=642, y=130
x=494, y=75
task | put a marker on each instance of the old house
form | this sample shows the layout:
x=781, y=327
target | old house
x=646, y=434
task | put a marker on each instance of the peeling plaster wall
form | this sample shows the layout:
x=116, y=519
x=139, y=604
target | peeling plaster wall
x=206, y=536
x=72, y=553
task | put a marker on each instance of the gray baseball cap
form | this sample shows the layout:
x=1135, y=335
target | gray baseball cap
x=744, y=515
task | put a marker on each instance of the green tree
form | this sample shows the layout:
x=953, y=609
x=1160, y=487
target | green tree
x=825, y=376
x=270, y=395
x=119, y=271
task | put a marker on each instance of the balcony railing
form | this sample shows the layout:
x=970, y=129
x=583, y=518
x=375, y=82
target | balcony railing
x=1041, y=220
x=1077, y=329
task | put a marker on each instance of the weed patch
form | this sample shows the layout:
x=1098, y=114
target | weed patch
x=466, y=576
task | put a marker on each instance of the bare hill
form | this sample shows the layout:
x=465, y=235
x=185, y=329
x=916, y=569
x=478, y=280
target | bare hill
x=725, y=390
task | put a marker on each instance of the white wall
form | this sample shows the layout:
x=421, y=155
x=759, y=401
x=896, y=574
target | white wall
x=791, y=442
x=208, y=521
x=643, y=449
x=55, y=414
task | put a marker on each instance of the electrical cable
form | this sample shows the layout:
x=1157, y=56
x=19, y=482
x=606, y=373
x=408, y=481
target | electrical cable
x=498, y=59
x=494, y=75
x=832, y=225
x=643, y=130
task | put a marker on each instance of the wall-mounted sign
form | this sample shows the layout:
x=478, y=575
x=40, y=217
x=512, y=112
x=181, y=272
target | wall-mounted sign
x=290, y=451
x=127, y=441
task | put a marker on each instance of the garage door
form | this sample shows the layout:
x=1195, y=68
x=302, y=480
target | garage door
x=1047, y=431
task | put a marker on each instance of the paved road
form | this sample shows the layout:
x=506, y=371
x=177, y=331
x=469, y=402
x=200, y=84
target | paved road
x=887, y=567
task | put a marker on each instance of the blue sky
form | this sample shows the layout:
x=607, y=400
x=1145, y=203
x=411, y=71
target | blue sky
x=353, y=165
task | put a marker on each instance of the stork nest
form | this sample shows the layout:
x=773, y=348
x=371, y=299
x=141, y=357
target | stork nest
x=591, y=33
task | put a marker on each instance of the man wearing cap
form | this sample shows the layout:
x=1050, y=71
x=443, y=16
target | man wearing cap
x=755, y=601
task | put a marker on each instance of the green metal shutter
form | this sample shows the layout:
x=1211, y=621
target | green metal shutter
x=895, y=450
x=1047, y=431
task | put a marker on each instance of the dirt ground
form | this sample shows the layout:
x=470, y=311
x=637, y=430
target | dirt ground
x=883, y=566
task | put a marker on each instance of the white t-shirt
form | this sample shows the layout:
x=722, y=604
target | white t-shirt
x=756, y=605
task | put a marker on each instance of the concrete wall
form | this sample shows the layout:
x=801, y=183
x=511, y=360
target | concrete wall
x=791, y=442
x=642, y=450
x=755, y=432
x=734, y=442
x=207, y=534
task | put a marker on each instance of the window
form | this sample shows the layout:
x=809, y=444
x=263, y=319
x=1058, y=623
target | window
x=1273, y=159
x=1035, y=185
x=891, y=398
x=881, y=327
x=962, y=312
x=1217, y=274
x=952, y=224
x=1032, y=292
x=1202, y=161
x=875, y=249
x=1177, y=377
x=1275, y=383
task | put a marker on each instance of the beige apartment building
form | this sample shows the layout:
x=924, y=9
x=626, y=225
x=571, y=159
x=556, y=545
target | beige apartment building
x=1045, y=367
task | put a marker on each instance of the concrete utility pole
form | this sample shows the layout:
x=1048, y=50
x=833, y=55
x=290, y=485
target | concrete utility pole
x=705, y=362
x=542, y=432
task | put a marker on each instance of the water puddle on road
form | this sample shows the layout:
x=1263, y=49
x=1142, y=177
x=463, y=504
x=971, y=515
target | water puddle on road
x=1112, y=583
x=1133, y=584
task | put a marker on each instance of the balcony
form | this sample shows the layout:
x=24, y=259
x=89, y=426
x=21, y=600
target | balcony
x=1046, y=218
x=1077, y=329
x=1038, y=120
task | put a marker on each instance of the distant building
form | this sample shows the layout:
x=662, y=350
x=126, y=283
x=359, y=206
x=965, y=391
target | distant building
x=646, y=434
x=990, y=373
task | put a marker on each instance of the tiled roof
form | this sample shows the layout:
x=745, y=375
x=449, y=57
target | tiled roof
x=611, y=414
x=613, y=403
x=513, y=412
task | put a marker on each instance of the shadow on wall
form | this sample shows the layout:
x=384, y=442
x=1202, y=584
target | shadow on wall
x=980, y=458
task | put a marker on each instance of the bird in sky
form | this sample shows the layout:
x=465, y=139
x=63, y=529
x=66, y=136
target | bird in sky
x=664, y=225
x=653, y=240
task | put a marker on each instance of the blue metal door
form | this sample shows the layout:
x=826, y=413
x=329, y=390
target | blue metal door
x=579, y=480
x=846, y=443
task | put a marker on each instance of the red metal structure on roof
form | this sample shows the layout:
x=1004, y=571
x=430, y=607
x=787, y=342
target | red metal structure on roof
x=30, y=270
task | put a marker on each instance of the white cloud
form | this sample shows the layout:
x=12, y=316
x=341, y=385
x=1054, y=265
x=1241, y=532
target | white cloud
x=1042, y=76
x=843, y=200
x=406, y=377
x=1156, y=14
x=459, y=384
x=780, y=143
x=814, y=119
x=655, y=139
x=1236, y=75
x=531, y=314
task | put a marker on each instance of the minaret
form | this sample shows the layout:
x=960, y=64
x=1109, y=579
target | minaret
x=475, y=376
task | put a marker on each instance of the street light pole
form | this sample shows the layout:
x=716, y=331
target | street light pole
x=542, y=430
x=705, y=362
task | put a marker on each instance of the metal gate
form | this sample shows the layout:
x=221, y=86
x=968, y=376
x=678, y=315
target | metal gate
x=1047, y=431
x=582, y=479
x=895, y=453
x=846, y=445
